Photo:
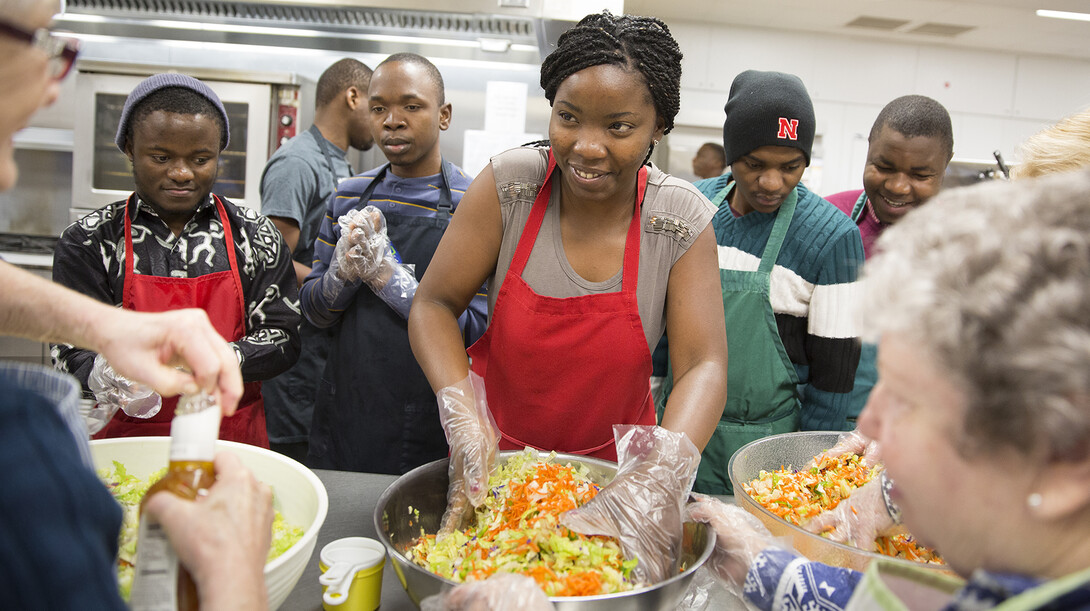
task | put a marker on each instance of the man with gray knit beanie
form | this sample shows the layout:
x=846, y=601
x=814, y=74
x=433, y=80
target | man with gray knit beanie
x=174, y=244
x=789, y=262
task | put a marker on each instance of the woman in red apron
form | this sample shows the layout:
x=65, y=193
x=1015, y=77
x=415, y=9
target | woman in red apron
x=611, y=251
x=219, y=294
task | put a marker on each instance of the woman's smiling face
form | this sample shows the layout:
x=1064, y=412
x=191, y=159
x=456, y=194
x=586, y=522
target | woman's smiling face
x=603, y=122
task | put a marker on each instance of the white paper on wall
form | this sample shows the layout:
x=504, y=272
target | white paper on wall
x=480, y=146
x=505, y=106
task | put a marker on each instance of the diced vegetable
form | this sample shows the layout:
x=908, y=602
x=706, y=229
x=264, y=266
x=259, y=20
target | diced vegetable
x=517, y=531
x=799, y=495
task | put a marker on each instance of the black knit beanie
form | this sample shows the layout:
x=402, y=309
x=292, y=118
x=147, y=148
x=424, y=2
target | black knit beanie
x=767, y=108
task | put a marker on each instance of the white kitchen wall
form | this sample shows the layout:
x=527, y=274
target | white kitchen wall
x=996, y=99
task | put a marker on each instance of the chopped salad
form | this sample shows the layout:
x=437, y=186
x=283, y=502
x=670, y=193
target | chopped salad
x=129, y=490
x=798, y=495
x=517, y=530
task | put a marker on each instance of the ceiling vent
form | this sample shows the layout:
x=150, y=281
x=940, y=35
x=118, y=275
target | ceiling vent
x=948, y=30
x=285, y=15
x=876, y=23
x=476, y=31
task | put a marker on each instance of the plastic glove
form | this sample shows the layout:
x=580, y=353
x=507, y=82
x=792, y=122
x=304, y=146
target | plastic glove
x=643, y=505
x=500, y=591
x=473, y=439
x=858, y=519
x=852, y=442
x=354, y=256
x=364, y=254
x=739, y=537
x=113, y=391
x=363, y=245
x=398, y=289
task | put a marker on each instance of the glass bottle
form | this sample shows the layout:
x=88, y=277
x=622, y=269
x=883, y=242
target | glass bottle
x=160, y=582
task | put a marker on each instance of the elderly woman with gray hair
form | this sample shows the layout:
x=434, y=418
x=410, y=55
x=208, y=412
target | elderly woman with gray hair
x=981, y=415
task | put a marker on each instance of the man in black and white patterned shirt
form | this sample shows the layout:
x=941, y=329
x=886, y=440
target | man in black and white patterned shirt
x=172, y=129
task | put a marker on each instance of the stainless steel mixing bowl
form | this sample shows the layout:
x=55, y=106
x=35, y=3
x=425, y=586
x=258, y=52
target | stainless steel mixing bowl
x=795, y=450
x=414, y=505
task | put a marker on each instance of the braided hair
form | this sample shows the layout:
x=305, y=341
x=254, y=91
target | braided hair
x=630, y=41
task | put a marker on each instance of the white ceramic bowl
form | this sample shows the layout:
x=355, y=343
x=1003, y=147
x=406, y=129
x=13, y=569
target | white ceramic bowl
x=298, y=495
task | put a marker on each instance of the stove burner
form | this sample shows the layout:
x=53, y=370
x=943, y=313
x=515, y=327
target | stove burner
x=34, y=244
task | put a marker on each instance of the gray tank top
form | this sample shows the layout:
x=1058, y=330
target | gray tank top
x=673, y=215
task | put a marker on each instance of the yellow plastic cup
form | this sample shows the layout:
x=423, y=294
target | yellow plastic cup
x=351, y=574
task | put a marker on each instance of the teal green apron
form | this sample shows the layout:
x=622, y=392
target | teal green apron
x=762, y=398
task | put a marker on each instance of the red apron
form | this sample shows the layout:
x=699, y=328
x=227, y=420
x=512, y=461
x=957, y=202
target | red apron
x=560, y=372
x=219, y=294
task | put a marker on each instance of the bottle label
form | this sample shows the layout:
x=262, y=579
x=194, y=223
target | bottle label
x=193, y=435
x=155, y=582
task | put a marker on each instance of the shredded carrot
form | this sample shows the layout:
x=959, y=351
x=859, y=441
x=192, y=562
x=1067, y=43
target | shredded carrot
x=798, y=495
x=518, y=530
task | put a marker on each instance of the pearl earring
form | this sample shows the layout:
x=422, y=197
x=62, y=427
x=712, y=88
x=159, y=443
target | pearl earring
x=654, y=142
x=1034, y=500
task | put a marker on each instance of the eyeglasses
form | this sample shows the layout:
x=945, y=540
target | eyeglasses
x=62, y=52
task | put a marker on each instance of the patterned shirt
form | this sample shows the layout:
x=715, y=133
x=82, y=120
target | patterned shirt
x=90, y=258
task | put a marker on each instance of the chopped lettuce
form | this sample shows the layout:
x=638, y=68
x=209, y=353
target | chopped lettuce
x=129, y=490
x=517, y=530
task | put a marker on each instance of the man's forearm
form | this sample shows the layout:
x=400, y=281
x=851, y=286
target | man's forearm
x=37, y=309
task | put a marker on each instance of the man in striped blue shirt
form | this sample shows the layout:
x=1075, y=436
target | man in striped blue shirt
x=375, y=411
x=789, y=263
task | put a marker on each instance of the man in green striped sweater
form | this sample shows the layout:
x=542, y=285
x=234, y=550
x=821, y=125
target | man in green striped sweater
x=789, y=263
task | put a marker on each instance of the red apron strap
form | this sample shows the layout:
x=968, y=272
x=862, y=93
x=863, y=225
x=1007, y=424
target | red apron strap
x=533, y=222
x=632, y=242
x=229, y=239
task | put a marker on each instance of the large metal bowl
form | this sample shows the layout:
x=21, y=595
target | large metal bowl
x=794, y=450
x=414, y=505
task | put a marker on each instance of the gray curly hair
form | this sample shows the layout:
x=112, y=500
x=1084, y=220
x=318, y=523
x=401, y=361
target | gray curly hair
x=994, y=280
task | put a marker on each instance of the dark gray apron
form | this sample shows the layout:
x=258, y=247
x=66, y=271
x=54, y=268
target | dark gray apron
x=376, y=412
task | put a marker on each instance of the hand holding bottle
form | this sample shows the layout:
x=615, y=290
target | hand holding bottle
x=223, y=538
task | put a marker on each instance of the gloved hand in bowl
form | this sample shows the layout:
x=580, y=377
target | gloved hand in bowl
x=114, y=391
x=852, y=442
x=500, y=591
x=474, y=440
x=643, y=505
x=860, y=518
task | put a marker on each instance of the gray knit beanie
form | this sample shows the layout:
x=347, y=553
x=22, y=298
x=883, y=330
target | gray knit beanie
x=767, y=108
x=154, y=83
